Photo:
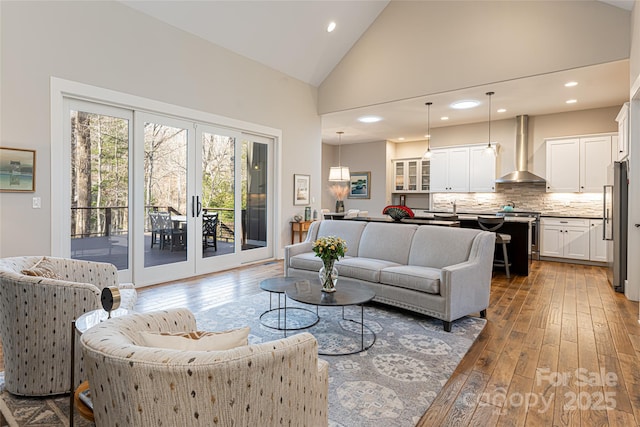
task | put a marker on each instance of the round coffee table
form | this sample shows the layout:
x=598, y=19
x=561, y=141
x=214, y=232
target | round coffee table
x=278, y=285
x=349, y=293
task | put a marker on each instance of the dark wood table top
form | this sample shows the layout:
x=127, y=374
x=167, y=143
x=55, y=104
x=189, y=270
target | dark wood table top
x=347, y=293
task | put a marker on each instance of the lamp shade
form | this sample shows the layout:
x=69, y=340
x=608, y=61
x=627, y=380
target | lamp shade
x=339, y=173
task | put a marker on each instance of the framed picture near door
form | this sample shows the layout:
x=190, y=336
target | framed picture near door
x=359, y=186
x=301, y=191
x=17, y=170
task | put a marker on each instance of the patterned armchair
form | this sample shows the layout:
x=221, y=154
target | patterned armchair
x=36, y=314
x=274, y=383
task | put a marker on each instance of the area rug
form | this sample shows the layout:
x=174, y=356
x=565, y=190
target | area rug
x=390, y=384
x=36, y=412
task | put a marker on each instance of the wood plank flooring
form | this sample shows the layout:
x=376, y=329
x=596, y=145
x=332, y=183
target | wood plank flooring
x=560, y=347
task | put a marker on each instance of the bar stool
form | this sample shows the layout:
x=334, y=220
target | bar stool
x=492, y=223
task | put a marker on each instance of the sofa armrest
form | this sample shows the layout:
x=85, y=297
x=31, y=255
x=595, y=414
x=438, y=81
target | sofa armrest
x=466, y=286
x=293, y=250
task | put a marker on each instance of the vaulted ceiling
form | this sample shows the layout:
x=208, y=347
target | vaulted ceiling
x=292, y=37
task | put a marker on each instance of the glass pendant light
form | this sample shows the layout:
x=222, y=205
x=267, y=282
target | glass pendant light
x=490, y=149
x=339, y=173
x=427, y=154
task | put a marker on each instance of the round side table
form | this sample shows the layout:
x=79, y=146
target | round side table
x=278, y=286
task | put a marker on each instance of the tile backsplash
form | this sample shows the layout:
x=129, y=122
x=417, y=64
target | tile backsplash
x=528, y=197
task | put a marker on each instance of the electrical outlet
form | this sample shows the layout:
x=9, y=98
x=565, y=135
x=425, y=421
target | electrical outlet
x=37, y=203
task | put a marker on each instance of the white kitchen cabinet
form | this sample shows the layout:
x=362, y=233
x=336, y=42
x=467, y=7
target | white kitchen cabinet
x=411, y=175
x=595, y=158
x=623, y=133
x=563, y=165
x=565, y=238
x=450, y=170
x=482, y=170
x=597, y=245
x=578, y=165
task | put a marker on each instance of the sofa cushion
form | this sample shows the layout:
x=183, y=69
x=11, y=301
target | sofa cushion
x=380, y=241
x=423, y=279
x=439, y=247
x=306, y=261
x=362, y=268
x=349, y=231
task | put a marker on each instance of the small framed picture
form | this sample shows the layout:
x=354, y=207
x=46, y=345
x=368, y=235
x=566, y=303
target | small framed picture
x=360, y=185
x=17, y=170
x=301, y=184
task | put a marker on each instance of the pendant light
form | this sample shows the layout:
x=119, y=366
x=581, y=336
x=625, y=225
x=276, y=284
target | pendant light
x=490, y=149
x=339, y=173
x=427, y=154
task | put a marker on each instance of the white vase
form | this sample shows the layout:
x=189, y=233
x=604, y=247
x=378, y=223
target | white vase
x=328, y=277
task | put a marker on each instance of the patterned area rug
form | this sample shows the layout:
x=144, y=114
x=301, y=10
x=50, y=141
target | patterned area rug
x=18, y=411
x=392, y=383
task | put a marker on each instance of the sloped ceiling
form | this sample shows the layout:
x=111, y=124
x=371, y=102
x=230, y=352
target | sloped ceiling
x=291, y=37
x=288, y=36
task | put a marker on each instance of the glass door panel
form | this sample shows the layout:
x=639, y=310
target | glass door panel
x=99, y=177
x=254, y=194
x=218, y=194
x=165, y=194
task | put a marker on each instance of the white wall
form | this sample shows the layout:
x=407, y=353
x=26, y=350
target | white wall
x=109, y=45
x=633, y=273
x=417, y=48
x=370, y=157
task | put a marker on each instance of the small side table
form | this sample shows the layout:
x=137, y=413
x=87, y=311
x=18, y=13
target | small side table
x=80, y=325
x=300, y=227
x=83, y=409
x=278, y=286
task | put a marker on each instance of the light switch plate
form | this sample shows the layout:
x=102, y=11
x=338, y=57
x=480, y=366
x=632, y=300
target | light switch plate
x=37, y=203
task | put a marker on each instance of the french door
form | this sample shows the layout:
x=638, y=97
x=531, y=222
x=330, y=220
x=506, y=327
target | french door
x=184, y=197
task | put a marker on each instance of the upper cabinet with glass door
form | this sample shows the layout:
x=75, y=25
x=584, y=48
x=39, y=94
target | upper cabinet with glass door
x=411, y=175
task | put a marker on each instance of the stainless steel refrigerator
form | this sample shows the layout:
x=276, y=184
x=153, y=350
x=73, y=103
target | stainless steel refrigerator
x=615, y=217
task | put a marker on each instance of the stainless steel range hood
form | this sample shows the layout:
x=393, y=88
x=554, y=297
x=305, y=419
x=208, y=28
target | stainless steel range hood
x=521, y=175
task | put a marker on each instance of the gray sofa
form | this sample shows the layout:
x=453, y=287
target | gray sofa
x=443, y=272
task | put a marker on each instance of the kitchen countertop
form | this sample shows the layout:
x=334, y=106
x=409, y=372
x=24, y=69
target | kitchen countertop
x=471, y=216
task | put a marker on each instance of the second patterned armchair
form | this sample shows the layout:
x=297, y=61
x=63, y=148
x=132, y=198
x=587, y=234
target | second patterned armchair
x=36, y=312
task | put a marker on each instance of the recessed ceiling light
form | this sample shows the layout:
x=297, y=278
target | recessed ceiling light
x=502, y=110
x=369, y=119
x=444, y=118
x=331, y=27
x=572, y=101
x=463, y=105
x=571, y=84
x=401, y=139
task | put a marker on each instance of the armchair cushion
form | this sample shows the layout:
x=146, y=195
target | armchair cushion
x=198, y=340
x=43, y=268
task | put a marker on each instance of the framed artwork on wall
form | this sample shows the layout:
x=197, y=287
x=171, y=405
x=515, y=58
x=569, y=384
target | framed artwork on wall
x=17, y=170
x=301, y=184
x=360, y=185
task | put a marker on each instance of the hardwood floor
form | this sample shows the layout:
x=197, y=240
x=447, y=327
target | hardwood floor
x=560, y=347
